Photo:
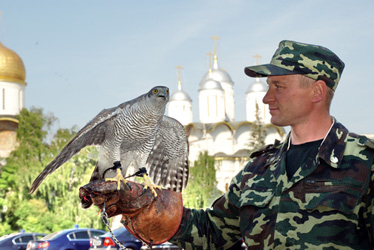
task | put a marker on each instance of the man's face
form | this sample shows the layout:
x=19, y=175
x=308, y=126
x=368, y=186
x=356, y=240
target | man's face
x=289, y=103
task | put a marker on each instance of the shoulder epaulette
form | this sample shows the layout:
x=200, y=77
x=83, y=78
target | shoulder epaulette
x=265, y=149
x=365, y=141
x=370, y=143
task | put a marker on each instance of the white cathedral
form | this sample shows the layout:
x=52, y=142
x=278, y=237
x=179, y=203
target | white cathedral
x=217, y=132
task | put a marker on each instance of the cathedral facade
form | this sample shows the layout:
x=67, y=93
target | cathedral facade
x=217, y=132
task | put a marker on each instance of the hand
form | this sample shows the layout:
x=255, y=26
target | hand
x=150, y=219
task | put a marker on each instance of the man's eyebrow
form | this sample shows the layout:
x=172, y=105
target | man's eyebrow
x=273, y=81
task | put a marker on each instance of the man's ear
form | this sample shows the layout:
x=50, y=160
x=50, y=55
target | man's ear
x=319, y=91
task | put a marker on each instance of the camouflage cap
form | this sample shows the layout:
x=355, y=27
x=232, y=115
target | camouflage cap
x=313, y=61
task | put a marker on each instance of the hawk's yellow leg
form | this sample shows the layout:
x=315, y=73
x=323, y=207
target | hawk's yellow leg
x=148, y=184
x=118, y=178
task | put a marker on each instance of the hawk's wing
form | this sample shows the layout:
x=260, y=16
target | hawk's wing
x=91, y=134
x=167, y=163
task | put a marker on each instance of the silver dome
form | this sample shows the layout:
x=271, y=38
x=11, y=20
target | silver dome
x=210, y=84
x=257, y=86
x=180, y=95
x=218, y=75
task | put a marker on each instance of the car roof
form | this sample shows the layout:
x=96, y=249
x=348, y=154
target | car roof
x=117, y=231
x=70, y=230
x=13, y=235
x=77, y=230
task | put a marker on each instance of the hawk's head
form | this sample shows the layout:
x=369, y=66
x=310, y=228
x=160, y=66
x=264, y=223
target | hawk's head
x=159, y=94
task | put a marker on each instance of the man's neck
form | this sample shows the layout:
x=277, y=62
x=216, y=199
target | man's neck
x=311, y=131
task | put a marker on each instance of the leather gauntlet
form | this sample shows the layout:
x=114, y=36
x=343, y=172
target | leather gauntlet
x=150, y=219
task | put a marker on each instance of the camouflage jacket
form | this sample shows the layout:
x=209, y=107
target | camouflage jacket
x=327, y=204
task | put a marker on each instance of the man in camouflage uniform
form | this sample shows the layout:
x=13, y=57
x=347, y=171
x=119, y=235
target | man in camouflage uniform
x=313, y=191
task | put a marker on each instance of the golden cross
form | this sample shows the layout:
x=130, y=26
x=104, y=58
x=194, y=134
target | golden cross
x=179, y=73
x=210, y=59
x=215, y=38
x=257, y=56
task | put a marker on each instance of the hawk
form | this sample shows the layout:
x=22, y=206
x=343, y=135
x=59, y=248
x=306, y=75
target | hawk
x=135, y=132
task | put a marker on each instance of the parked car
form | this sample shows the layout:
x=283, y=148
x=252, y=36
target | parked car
x=166, y=245
x=18, y=240
x=124, y=237
x=68, y=239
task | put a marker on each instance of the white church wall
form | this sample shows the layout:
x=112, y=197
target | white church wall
x=225, y=169
x=201, y=145
x=222, y=138
x=229, y=100
x=180, y=110
x=251, y=100
x=211, y=106
x=242, y=135
x=194, y=141
x=272, y=134
x=11, y=98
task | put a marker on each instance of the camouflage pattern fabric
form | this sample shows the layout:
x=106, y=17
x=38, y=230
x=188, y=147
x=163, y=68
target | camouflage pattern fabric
x=314, y=61
x=327, y=204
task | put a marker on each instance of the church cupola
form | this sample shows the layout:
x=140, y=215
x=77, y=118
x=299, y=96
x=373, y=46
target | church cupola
x=218, y=74
x=254, y=95
x=180, y=103
x=211, y=100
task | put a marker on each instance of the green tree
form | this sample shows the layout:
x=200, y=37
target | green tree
x=22, y=163
x=258, y=132
x=201, y=187
x=55, y=205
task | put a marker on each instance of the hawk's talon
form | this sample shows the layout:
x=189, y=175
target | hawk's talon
x=118, y=178
x=148, y=184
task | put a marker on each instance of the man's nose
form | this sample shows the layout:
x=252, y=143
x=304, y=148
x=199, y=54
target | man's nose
x=269, y=96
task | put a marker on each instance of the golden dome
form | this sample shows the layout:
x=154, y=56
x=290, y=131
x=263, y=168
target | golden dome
x=11, y=66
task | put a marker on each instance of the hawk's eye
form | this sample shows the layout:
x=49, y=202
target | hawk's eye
x=167, y=91
x=155, y=91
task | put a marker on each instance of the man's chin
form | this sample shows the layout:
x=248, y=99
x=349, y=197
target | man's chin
x=278, y=122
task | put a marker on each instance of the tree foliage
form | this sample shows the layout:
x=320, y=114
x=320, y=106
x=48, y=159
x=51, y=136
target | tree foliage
x=258, y=132
x=55, y=205
x=201, y=189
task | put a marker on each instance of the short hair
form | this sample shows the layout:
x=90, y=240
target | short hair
x=306, y=82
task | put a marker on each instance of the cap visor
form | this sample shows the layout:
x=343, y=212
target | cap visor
x=266, y=70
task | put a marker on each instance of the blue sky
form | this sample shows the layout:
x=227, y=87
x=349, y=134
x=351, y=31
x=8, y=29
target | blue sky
x=84, y=56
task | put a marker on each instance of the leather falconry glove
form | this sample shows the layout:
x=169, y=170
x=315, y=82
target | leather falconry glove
x=151, y=220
